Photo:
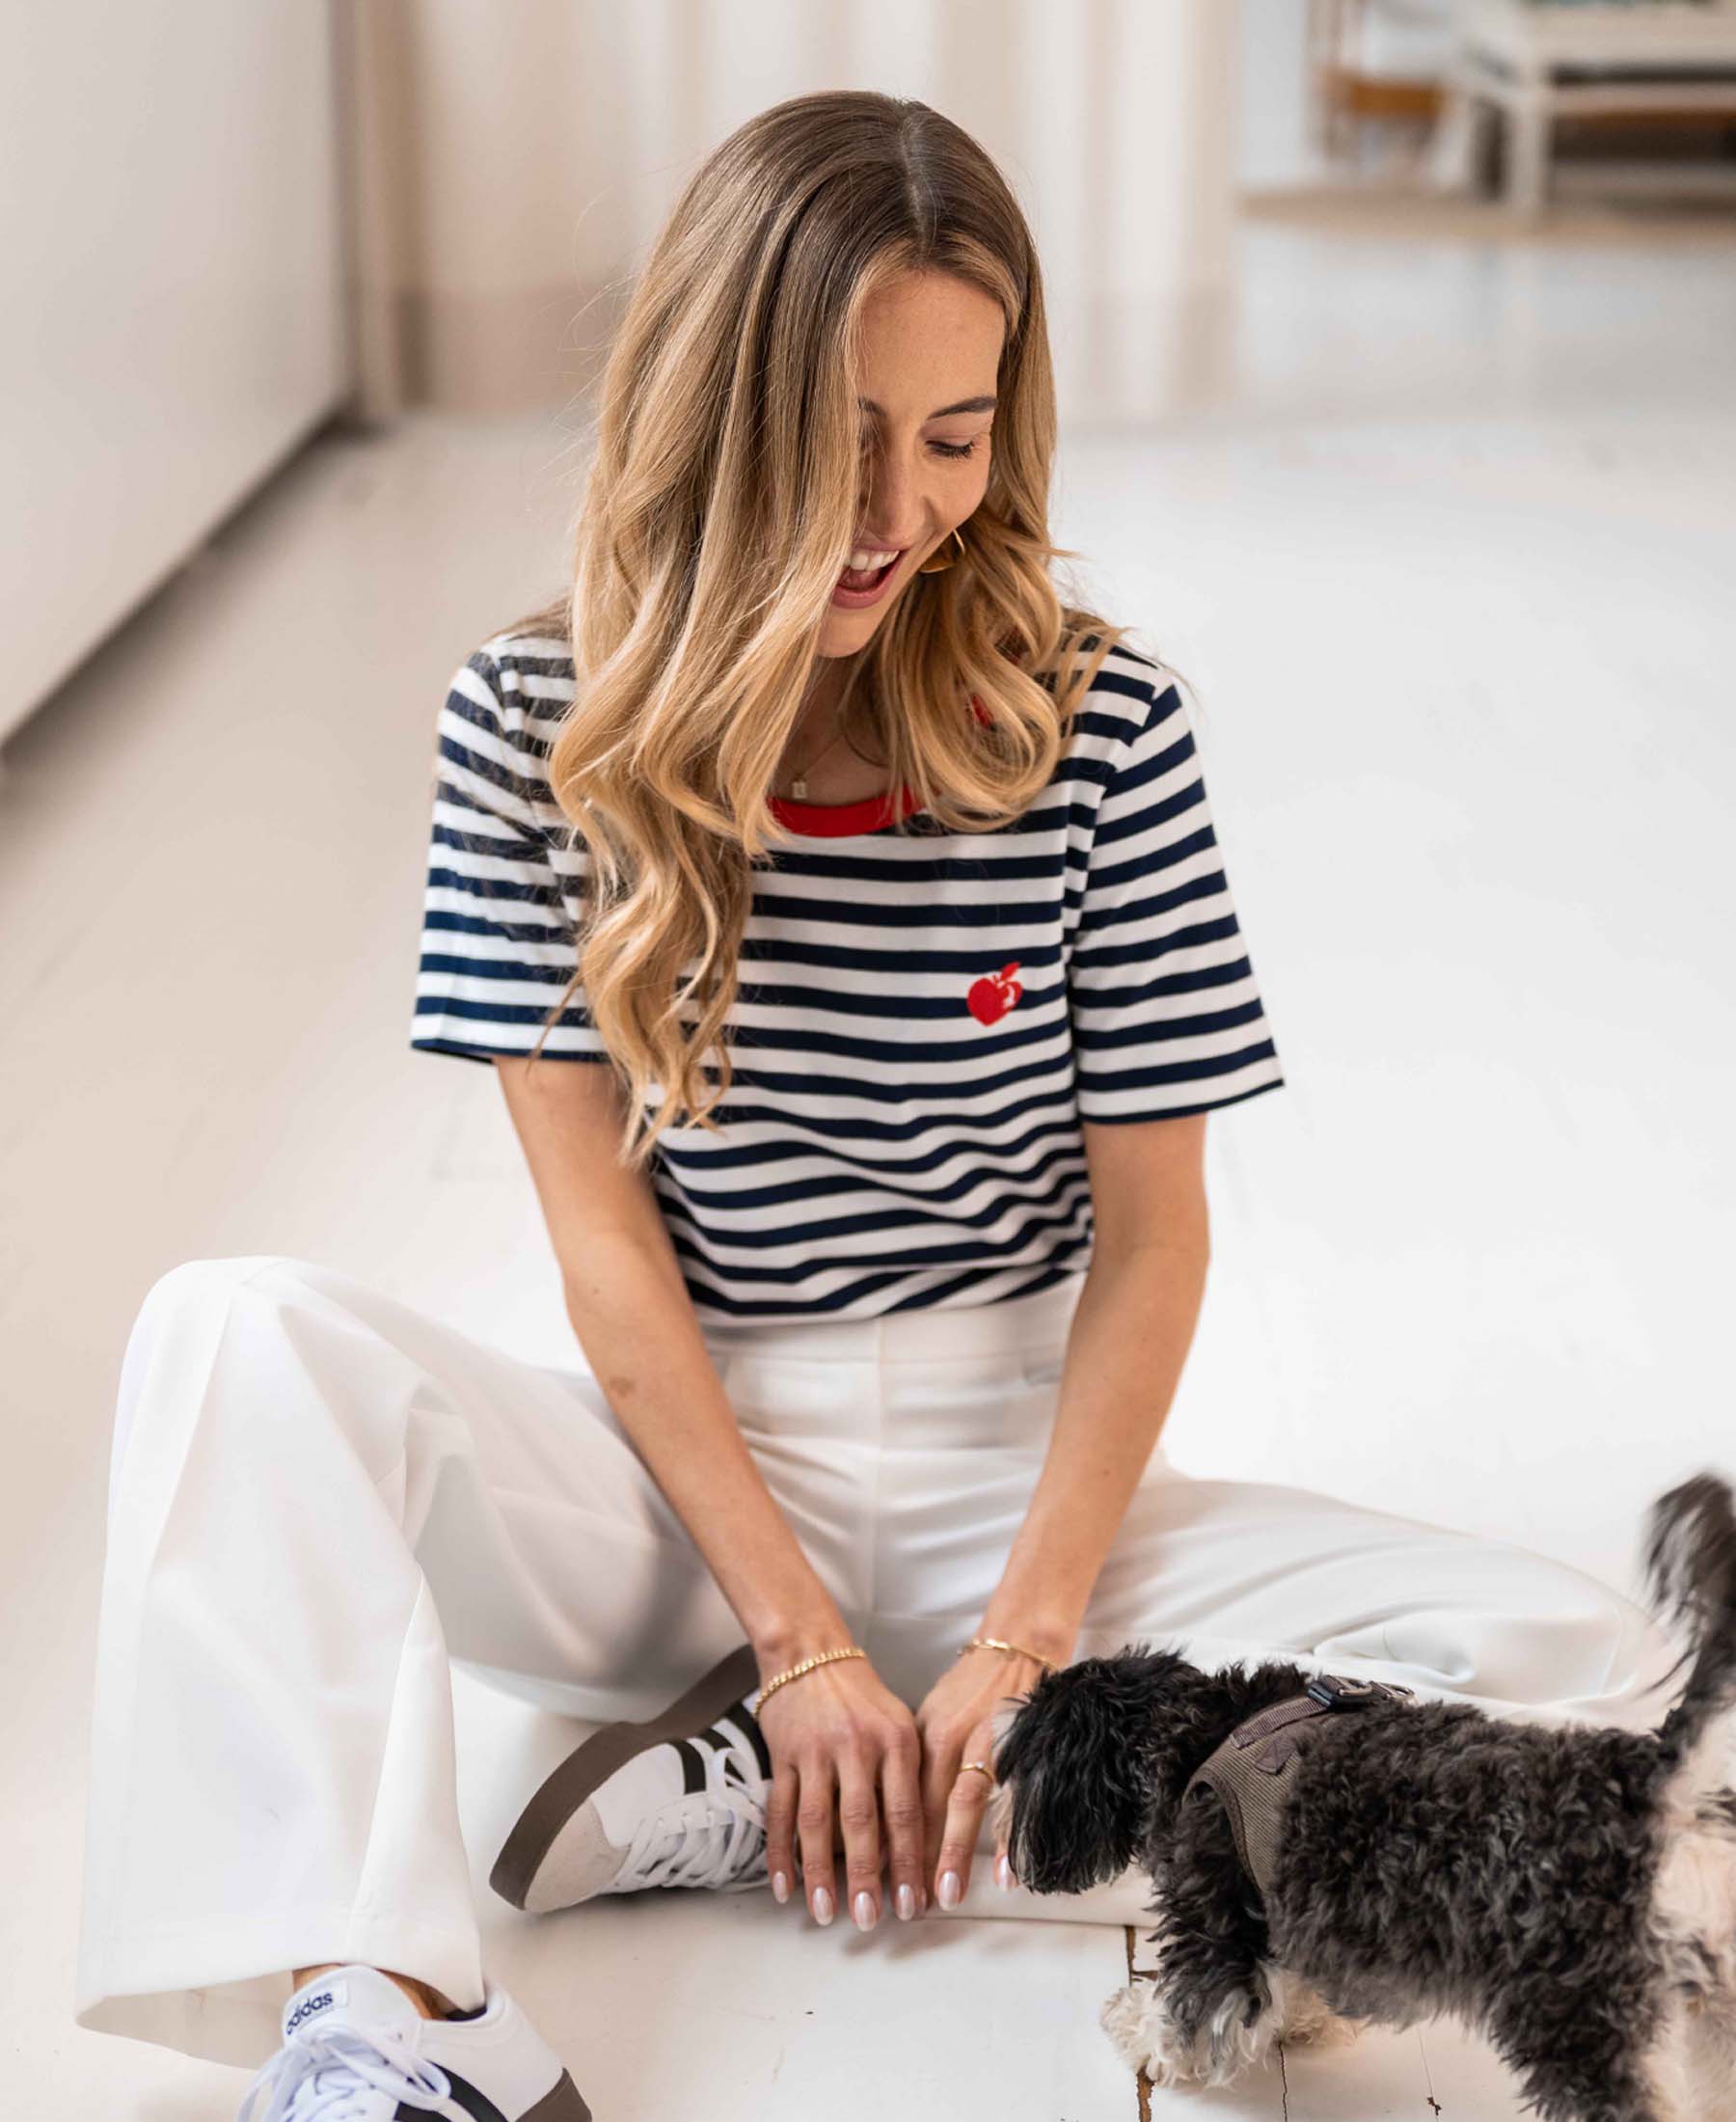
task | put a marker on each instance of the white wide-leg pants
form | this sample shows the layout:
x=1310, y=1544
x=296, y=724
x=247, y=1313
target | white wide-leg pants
x=319, y=1497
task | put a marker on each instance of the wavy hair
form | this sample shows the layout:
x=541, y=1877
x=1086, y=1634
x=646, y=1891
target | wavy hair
x=720, y=506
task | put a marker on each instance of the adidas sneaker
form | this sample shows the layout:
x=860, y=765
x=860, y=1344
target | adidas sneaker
x=677, y=1801
x=357, y=2050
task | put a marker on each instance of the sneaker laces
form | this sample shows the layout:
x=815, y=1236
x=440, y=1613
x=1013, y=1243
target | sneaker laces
x=711, y=1837
x=339, y=2076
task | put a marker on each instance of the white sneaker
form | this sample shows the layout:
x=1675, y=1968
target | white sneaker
x=357, y=2050
x=677, y=1801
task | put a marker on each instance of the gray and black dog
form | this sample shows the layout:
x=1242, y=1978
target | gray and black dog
x=1566, y=1890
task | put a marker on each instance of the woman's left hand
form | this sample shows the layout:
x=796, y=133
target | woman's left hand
x=957, y=1724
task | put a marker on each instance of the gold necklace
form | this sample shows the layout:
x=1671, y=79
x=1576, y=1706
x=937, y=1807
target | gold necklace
x=798, y=788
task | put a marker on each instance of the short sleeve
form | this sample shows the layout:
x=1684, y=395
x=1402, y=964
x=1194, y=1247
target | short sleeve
x=1166, y=1016
x=497, y=937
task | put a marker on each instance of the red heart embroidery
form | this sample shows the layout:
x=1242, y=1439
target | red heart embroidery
x=994, y=994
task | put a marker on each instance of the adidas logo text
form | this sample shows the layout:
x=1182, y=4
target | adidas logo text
x=307, y=2008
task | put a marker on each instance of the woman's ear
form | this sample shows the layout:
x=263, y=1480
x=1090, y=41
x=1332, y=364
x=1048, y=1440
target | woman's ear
x=1078, y=1761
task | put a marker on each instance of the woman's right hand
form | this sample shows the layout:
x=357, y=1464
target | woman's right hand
x=839, y=1738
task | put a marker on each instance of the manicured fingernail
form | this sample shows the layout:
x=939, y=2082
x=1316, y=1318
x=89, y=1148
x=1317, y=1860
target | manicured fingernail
x=824, y=1911
x=862, y=1908
x=781, y=1885
x=950, y=1890
x=1003, y=1871
x=907, y=1902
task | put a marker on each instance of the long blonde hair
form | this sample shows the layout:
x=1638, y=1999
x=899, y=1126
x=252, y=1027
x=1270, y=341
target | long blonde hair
x=721, y=505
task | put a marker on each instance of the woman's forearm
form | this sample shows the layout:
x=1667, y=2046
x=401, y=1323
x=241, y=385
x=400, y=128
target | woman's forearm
x=644, y=1347
x=1126, y=1347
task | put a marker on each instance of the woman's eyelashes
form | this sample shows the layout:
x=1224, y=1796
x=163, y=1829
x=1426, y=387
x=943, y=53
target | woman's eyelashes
x=953, y=450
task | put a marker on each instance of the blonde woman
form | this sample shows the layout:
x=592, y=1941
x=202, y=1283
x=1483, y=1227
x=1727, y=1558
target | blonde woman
x=842, y=914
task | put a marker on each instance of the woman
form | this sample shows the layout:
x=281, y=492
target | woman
x=884, y=886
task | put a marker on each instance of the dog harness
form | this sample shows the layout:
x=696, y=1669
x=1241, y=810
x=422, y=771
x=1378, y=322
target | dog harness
x=1251, y=1769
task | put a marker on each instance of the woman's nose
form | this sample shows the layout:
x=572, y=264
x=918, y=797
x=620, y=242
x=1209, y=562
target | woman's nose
x=891, y=505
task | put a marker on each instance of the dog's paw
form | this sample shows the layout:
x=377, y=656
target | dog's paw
x=1303, y=2018
x=1320, y=2028
x=1142, y=2034
x=1138, y=2022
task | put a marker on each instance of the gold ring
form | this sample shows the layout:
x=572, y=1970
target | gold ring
x=982, y=1768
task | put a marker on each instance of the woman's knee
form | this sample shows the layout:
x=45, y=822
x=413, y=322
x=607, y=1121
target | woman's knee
x=1524, y=1628
x=259, y=1338
x=200, y=1284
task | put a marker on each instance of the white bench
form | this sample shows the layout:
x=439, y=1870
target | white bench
x=1538, y=63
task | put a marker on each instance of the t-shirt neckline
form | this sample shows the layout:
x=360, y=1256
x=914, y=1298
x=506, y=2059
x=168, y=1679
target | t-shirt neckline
x=824, y=820
x=871, y=814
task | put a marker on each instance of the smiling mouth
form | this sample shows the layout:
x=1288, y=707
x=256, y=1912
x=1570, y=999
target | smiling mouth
x=853, y=578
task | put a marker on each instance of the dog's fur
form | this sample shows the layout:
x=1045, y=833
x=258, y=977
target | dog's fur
x=1567, y=1891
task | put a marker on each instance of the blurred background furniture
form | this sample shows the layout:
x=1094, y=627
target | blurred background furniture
x=1375, y=58
x=1655, y=62
x=1493, y=95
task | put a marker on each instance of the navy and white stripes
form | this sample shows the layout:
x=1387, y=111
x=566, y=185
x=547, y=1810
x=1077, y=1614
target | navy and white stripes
x=922, y=1022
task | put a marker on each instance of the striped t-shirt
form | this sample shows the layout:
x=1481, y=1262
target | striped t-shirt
x=922, y=1024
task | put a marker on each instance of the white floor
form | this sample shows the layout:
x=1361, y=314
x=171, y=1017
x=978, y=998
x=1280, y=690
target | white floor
x=1446, y=553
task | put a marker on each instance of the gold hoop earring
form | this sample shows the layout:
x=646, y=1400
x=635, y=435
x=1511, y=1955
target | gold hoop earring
x=939, y=566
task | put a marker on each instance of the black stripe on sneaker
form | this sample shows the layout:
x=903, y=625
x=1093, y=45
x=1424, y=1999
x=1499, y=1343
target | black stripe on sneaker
x=477, y=2105
x=736, y=1725
x=731, y=1730
x=693, y=1766
x=749, y=1724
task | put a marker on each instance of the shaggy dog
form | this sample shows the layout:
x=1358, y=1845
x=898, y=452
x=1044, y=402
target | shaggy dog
x=1569, y=1891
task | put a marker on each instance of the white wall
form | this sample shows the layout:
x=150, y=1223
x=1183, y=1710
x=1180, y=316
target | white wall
x=170, y=250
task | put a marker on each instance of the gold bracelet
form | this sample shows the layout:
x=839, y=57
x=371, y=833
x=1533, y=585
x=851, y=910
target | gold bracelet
x=994, y=1643
x=807, y=1665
